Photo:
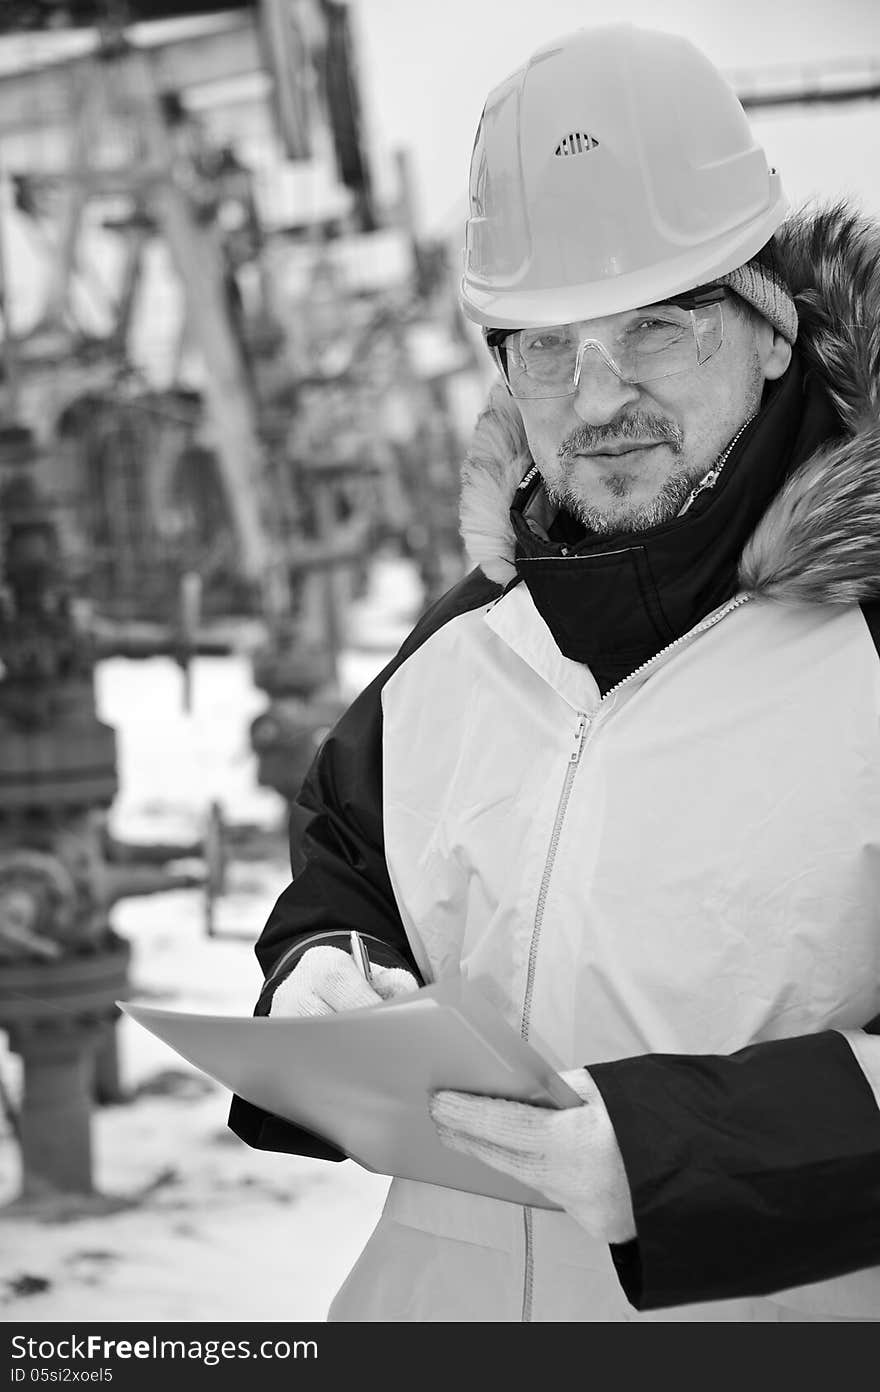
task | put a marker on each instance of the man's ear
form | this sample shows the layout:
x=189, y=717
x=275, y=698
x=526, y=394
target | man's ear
x=776, y=356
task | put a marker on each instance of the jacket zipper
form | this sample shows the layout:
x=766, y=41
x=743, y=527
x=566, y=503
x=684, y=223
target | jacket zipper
x=584, y=723
x=709, y=622
x=574, y=759
x=709, y=480
x=580, y=736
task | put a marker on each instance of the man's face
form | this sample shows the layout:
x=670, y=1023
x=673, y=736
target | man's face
x=623, y=456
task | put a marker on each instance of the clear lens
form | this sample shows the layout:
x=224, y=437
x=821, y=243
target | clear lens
x=661, y=342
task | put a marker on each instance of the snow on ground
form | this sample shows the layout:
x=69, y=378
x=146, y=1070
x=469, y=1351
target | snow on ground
x=205, y=1228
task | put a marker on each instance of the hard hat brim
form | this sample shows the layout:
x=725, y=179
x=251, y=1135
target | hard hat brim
x=522, y=309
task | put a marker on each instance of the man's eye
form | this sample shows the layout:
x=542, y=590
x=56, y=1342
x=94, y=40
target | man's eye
x=545, y=343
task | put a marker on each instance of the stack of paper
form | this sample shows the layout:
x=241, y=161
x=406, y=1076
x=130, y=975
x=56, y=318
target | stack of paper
x=361, y=1079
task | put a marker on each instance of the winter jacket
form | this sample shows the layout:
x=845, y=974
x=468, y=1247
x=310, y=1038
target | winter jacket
x=672, y=880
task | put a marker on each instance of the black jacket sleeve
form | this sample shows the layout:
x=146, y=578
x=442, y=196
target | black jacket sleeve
x=340, y=876
x=749, y=1173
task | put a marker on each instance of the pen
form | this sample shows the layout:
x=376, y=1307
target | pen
x=361, y=959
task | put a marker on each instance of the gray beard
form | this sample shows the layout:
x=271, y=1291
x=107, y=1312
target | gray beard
x=663, y=507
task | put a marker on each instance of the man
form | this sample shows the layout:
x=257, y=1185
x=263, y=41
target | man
x=626, y=775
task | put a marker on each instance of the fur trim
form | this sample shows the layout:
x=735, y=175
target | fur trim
x=832, y=261
x=497, y=460
x=819, y=540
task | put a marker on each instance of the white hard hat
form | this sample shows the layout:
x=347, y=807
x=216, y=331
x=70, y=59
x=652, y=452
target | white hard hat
x=615, y=169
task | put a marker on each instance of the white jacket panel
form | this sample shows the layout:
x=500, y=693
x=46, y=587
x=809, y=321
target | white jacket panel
x=689, y=865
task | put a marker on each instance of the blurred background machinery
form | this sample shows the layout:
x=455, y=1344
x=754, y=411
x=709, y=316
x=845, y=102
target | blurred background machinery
x=226, y=491
x=300, y=422
x=62, y=965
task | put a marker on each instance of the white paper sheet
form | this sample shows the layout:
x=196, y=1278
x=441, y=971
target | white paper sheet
x=361, y=1079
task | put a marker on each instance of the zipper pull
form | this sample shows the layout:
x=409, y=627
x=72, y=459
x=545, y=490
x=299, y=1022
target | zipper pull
x=579, y=737
x=709, y=481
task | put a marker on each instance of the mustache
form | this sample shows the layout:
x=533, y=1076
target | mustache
x=639, y=425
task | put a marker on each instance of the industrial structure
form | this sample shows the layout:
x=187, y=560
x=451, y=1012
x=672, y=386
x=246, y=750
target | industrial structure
x=210, y=510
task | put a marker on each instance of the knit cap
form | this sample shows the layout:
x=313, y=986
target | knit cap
x=761, y=281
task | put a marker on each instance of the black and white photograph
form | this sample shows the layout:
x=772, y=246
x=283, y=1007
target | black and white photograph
x=439, y=673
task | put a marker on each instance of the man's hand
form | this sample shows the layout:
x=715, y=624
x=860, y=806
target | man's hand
x=571, y=1156
x=326, y=980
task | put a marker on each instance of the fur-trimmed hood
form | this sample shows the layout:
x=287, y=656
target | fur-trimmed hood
x=819, y=540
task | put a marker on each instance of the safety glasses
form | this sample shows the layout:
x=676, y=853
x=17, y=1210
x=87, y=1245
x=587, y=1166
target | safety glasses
x=659, y=341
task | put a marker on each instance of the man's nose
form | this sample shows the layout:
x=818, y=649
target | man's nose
x=600, y=393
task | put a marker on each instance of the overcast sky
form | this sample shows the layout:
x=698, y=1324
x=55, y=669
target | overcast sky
x=426, y=70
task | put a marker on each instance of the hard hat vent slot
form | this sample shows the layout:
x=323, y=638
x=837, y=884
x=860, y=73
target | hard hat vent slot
x=576, y=143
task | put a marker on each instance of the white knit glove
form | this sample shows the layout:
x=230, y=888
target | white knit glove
x=326, y=980
x=571, y=1156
